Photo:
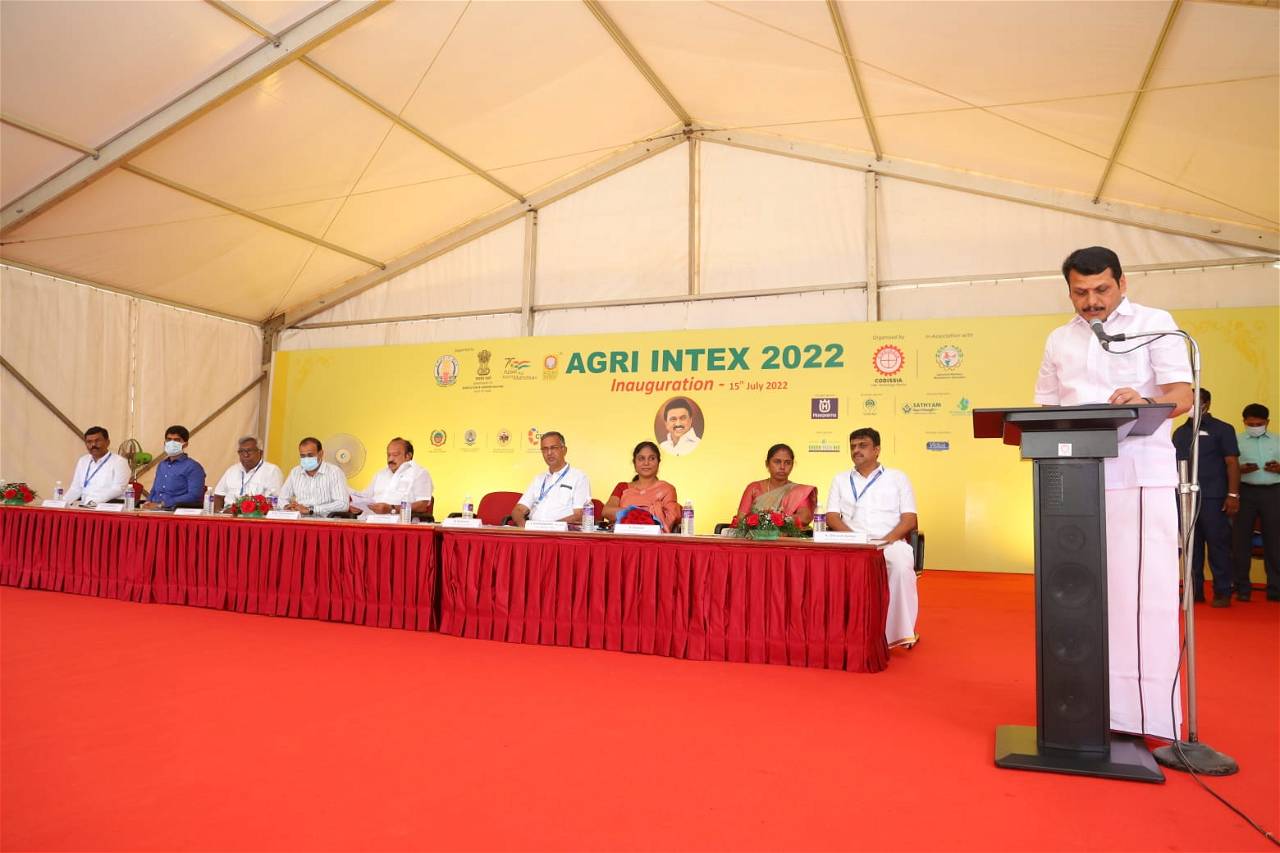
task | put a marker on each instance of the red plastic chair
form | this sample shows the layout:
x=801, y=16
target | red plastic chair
x=496, y=506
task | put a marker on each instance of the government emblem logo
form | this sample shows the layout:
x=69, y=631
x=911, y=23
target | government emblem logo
x=888, y=360
x=482, y=372
x=504, y=438
x=469, y=438
x=438, y=437
x=446, y=370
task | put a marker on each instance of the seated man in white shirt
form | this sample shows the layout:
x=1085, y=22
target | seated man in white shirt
x=879, y=502
x=315, y=487
x=100, y=475
x=557, y=495
x=252, y=475
x=402, y=480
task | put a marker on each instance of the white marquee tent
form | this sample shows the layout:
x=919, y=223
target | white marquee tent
x=188, y=186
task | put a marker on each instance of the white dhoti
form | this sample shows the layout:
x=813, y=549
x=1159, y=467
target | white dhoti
x=900, y=560
x=1142, y=610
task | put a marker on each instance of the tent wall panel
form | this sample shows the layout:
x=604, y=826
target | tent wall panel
x=623, y=238
x=415, y=332
x=774, y=222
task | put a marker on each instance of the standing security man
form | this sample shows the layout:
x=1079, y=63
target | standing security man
x=1219, y=499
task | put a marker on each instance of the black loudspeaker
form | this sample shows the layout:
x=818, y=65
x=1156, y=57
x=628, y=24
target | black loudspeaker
x=1072, y=698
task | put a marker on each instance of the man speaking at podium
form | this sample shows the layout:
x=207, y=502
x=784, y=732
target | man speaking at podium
x=1141, y=483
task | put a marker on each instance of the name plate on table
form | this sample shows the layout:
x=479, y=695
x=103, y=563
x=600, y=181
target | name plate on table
x=188, y=510
x=51, y=504
x=284, y=514
x=638, y=529
x=553, y=526
x=462, y=522
x=375, y=518
x=109, y=507
x=846, y=537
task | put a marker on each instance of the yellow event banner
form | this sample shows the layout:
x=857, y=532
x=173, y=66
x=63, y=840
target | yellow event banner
x=475, y=410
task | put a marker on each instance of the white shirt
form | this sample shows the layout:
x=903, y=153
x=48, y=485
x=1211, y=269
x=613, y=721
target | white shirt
x=325, y=492
x=409, y=482
x=100, y=481
x=881, y=500
x=686, y=445
x=263, y=479
x=1077, y=371
x=551, y=497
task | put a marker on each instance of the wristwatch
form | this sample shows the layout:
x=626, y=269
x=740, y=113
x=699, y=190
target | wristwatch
x=1232, y=495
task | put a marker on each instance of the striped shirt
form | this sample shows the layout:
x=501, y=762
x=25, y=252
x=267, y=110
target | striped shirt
x=325, y=492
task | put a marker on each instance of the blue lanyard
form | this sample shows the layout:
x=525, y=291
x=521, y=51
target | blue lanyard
x=89, y=475
x=546, y=487
x=243, y=481
x=866, y=488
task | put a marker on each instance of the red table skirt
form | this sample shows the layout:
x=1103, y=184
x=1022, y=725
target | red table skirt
x=366, y=574
x=796, y=604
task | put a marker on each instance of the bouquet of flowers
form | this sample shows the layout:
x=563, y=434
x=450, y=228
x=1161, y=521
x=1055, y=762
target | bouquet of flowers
x=17, y=494
x=251, y=506
x=766, y=525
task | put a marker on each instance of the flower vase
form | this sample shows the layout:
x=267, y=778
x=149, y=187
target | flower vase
x=764, y=534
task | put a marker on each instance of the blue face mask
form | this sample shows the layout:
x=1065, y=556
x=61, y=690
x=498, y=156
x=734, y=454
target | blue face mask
x=309, y=463
x=173, y=448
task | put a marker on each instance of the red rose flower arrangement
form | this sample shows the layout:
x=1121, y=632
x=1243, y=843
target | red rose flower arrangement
x=766, y=525
x=17, y=494
x=252, y=506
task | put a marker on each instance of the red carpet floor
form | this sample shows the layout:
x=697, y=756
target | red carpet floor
x=130, y=727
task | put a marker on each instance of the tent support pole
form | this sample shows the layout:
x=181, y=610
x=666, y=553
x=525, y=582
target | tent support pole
x=35, y=392
x=837, y=22
x=529, y=273
x=695, y=217
x=872, y=249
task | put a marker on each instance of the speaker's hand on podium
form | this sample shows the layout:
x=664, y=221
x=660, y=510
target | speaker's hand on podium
x=1124, y=396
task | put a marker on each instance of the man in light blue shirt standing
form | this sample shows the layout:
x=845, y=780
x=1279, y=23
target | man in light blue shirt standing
x=1260, y=499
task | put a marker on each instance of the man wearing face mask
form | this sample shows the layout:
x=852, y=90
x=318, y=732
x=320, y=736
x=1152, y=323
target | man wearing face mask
x=1219, y=499
x=1141, y=482
x=402, y=479
x=1259, y=500
x=179, y=478
x=315, y=487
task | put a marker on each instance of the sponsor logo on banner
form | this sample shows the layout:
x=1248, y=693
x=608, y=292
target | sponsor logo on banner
x=469, y=438
x=439, y=437
x=869, y=406
x=446, y=370
x=824, y=445
x=888, y=360
x=922, y=407
x=949, y=356
x=504, y=438
x=963, y=407
x=482, y=372
x=517, y=369
x=937, y=445
x=824, y=408
x=550, y=366
x=533, y=436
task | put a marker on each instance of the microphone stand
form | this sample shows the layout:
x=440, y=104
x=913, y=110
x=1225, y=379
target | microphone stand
x=1191, y=755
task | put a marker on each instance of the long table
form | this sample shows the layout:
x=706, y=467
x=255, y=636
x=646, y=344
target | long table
x=699, y=598
x=343, y=572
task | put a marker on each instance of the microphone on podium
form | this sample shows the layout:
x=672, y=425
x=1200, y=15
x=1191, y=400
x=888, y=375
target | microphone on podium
x=1103, y=337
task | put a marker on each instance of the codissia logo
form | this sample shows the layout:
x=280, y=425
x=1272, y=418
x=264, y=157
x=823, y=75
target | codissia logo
x=824, y=408
x=439, y=437
x=888, y=360
x=469, y=438
x=949, y=356
x=446, y=370
x=824, y=445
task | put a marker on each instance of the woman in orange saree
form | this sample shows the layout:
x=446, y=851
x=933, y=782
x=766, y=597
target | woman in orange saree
x=646, y=499
x=778, y=493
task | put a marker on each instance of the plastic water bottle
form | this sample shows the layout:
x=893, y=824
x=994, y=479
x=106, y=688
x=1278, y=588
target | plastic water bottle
x=208, y=501
x=58, y=491
x=588, y=517
x=130, y=501
x=686, y=519
x=468, y=508
x=406, y=512
x=275, y=501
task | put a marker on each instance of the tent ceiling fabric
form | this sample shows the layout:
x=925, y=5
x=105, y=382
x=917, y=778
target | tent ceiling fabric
x=527, y=93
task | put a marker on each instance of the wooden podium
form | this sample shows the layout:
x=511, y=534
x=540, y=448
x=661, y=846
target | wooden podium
x=1067, y=445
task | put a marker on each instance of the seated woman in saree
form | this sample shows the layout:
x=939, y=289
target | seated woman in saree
x=778, y=493
x=646, y=499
